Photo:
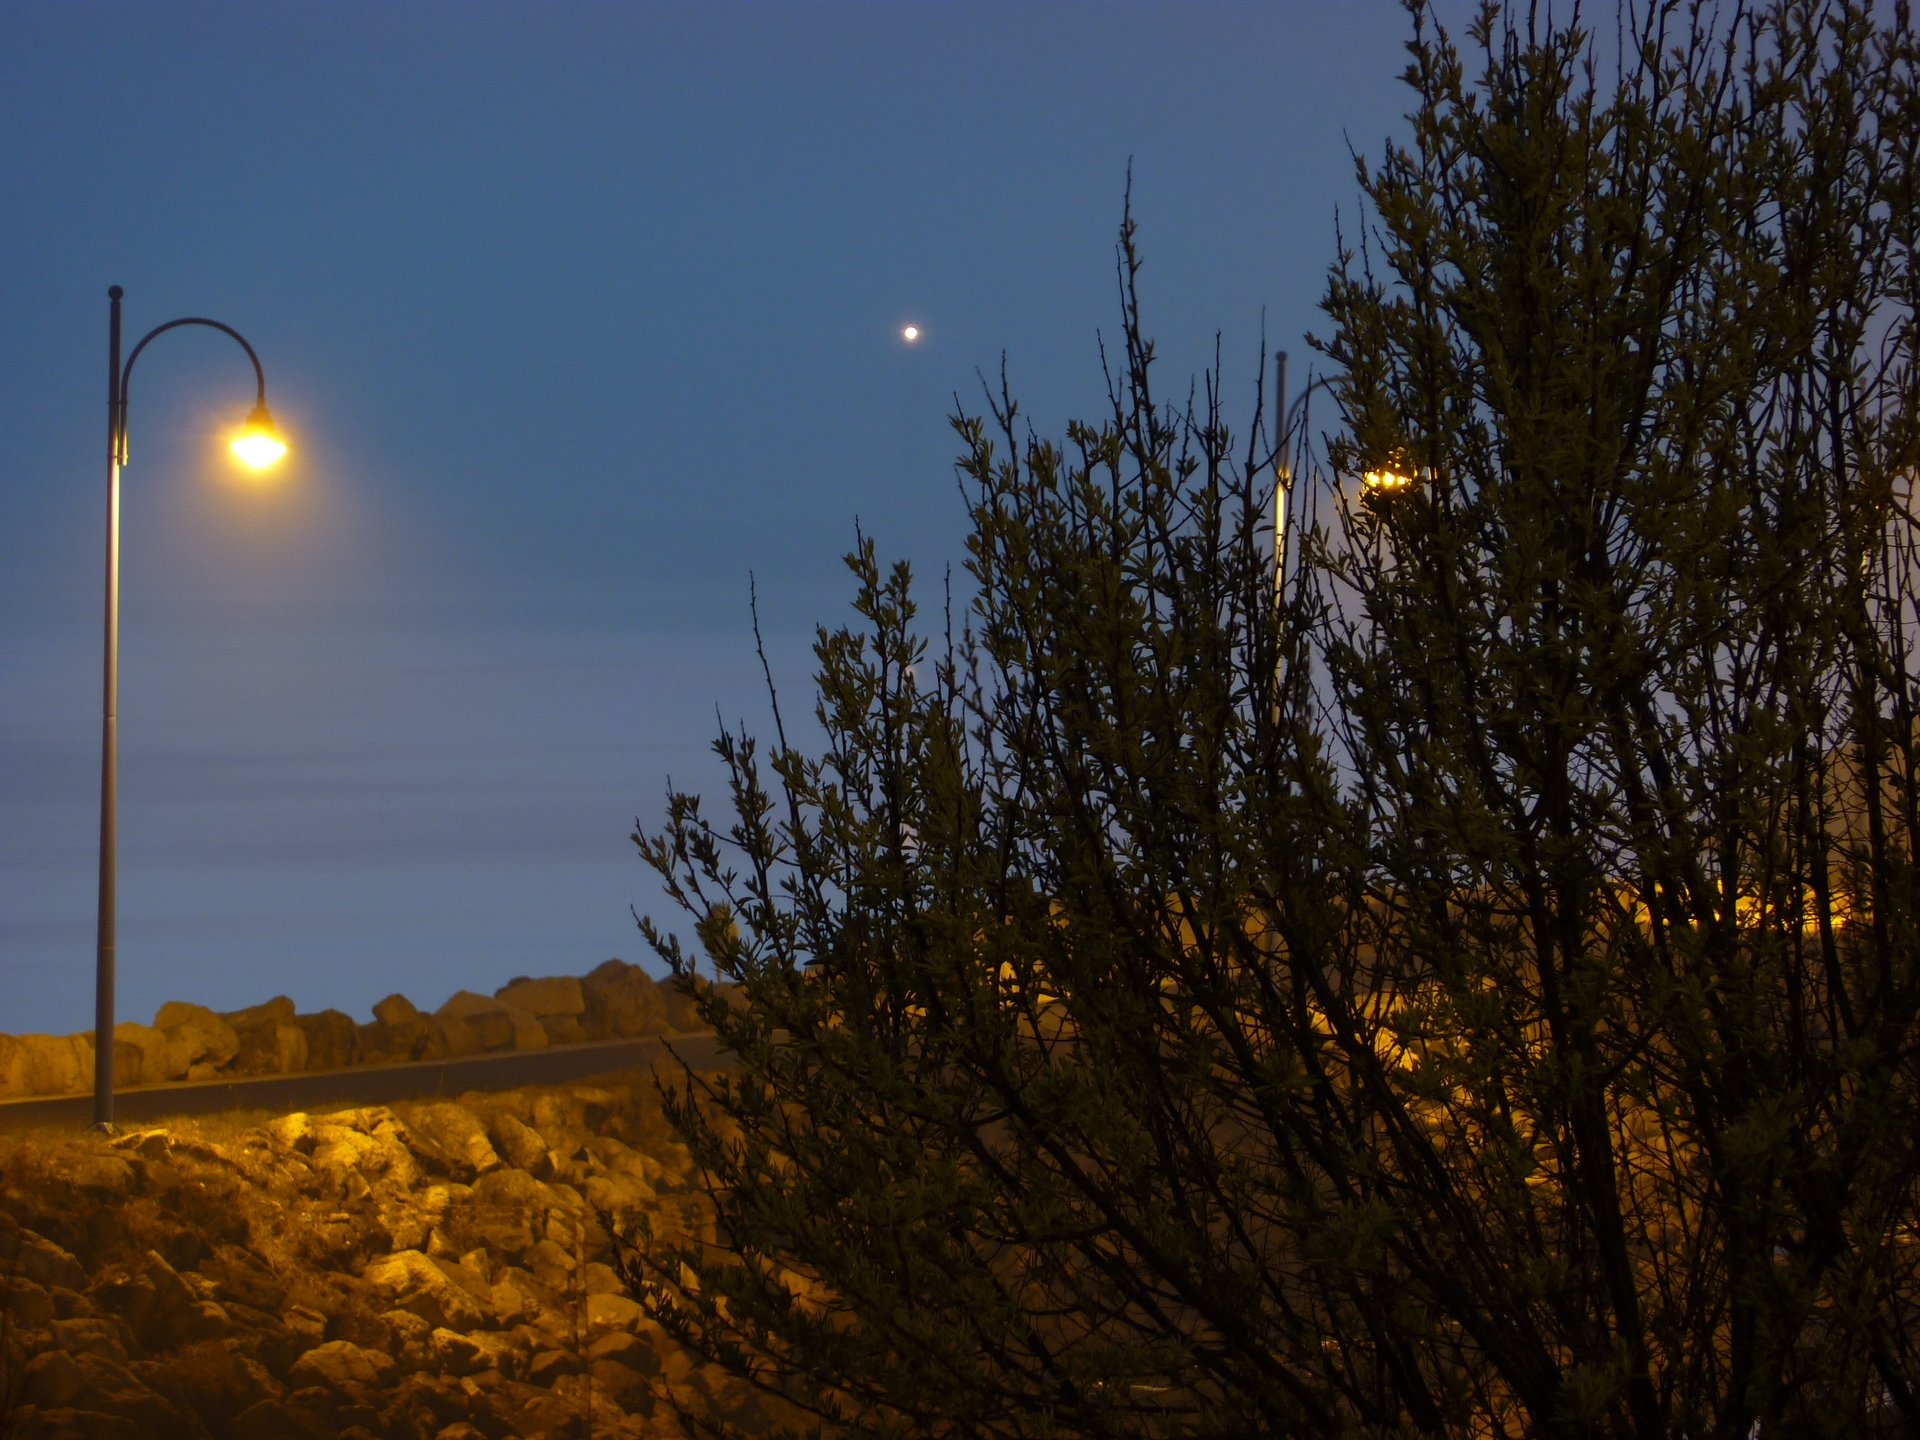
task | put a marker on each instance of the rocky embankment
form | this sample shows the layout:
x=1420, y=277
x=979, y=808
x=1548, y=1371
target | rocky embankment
x=192, y=1042
x=425, y=1269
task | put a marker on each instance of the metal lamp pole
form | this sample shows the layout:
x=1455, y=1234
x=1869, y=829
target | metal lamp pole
x=1283, y=486
x=257, y=445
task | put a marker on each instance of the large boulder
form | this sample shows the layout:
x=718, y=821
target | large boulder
x=396, y=1010
x=371, y=1144
x=40, y=1260
x=218, y=1381
x=508, y=1212
x=494, y=1024
x=343, y=1367
x=333, y=1040
x=45, y=1064
x=459, y=1036
x=158, y=1306
x=271, y=1049
x=622, y=1001
x=94, y=1395
x=458, y=1354
x=156, y=1059
x=449, y=1140
x=210, y=1041
x=390, y=1042
x=523, y=1145
x=272, y=1041
x=552, y=995
x=410, y=1280
x=564, y=1029
x=610, y=1312
x=277, y=1011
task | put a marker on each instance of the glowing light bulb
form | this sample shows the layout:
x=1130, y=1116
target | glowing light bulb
x=258, y=445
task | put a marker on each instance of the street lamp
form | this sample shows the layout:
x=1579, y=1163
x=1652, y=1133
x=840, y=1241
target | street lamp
x=257, y=445
x=1385, y=482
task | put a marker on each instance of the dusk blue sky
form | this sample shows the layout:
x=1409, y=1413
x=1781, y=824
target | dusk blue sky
x=576, y=315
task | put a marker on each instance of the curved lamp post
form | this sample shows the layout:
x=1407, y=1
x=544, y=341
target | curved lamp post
x=257, y=445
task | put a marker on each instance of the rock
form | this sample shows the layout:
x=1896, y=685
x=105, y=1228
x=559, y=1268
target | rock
x=274, y=1420
x=416, y=1282
x=157, y=1056
x=468, y=1354
x=553, y=995
x=397, y=1042
x=158, y=1306
x=343, y=1152
x=333, y=1040
x=411, y=1333
x=343, y=1367
x=619, y=1195
x=508, y=1211
x=103, y=1177
x=522, y=1145
x=395, y=1010
x=46, y=1064
x=270, y=1049
x=601, y=1280
x=449, y=1140
x=495, y=1024
x=29, y=1306
x=458, y=1034
x=512, y=1297
x=492, y=1030
x=105, y=1399
x=208, y=1039
x=67, y=1422
x=87, y=1335
x=465, y=1003
x=628, y=1349
x=277, y=1011
x=622, y=1000
x=218, y=1382
x=627, y=1388
x=44, y=1262
x=552, y=1264
x=548, y=1366
x=294, y=1132
x=681, y=1014
x=613, y=1312
x=564, y=1029
x=127, y=1063
x=307, y=1323
x=52, y=1379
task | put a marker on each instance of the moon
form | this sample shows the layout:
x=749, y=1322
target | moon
x=910, y=333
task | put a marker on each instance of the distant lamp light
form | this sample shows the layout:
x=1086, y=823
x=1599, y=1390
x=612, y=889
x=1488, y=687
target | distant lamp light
x=258, y=445
x=910, y=333
x=1385, y=482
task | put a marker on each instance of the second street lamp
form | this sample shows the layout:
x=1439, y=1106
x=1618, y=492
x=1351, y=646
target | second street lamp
x=258, y=445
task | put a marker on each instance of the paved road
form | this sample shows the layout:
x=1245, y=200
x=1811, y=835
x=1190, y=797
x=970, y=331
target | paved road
x=368, y=1084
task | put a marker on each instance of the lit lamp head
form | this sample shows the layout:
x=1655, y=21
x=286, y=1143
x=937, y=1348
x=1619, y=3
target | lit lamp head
x=1385, y=482
x=258, y=445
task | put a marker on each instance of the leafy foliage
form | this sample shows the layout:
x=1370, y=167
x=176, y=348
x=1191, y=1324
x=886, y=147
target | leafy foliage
x=1477, y=995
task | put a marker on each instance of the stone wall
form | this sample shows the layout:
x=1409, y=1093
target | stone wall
x=192, y=1042
x=425, y=1269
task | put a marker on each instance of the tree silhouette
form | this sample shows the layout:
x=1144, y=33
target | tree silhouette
x=1476, y=995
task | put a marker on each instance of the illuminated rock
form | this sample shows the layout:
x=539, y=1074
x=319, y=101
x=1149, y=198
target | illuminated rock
x=553, y=995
